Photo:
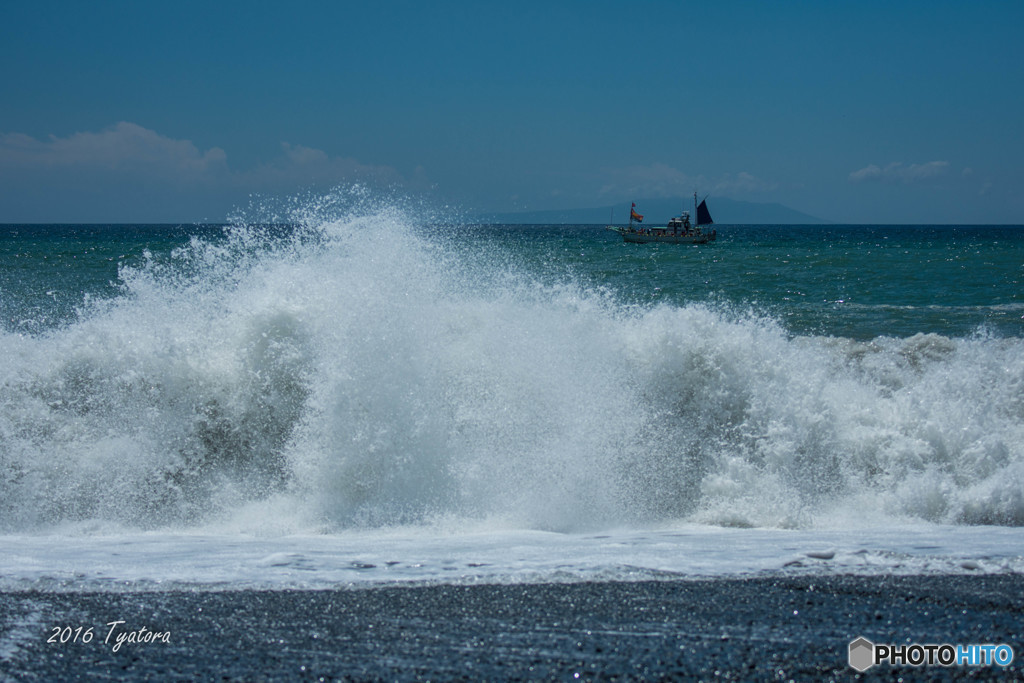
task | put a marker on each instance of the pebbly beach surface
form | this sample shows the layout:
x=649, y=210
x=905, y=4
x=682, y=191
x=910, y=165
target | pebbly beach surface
x=777, y=628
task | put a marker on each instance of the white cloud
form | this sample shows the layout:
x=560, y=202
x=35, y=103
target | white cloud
x=127, y=170
x=146, y=153
x=302, y=166
x=662, y=181
x=741, y=183
x=122, y=146
x=898, y=172
x=656, y=180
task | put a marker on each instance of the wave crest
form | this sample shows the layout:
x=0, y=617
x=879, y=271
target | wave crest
x=356, y=371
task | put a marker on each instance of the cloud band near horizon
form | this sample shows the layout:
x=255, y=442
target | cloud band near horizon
x=898, y=172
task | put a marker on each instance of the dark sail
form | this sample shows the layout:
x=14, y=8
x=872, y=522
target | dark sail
x=703, y=215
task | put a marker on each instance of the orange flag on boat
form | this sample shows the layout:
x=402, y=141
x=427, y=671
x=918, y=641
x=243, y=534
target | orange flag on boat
x=633, y=215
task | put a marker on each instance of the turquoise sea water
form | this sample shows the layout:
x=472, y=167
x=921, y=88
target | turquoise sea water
x=364, y=370
x=858, y=281
x=855, y=281
x=49, y=272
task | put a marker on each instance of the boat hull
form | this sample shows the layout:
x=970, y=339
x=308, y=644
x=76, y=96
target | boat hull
x=638, y=237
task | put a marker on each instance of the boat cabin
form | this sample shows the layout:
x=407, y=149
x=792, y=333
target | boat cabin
x=680, y=222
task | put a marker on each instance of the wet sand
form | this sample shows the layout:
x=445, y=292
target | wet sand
x=731, y=629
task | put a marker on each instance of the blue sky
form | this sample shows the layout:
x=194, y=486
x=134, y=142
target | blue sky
x=874, y=112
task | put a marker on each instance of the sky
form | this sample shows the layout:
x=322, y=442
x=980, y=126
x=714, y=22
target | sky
x=853, y=112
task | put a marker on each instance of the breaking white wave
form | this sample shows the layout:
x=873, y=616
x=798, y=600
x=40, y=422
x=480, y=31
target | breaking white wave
x=356, y=373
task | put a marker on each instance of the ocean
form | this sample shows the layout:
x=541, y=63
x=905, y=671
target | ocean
x=362, y=397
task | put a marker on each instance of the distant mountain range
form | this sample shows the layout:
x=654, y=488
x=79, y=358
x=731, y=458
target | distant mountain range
x=658, y=211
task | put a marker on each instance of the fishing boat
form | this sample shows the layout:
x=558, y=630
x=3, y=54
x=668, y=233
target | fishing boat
x=678, y=231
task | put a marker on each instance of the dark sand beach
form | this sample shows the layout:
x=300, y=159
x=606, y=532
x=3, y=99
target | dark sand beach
x=733, y=629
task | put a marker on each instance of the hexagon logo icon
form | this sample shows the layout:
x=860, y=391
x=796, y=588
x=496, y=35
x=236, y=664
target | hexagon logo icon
x=862, y=654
